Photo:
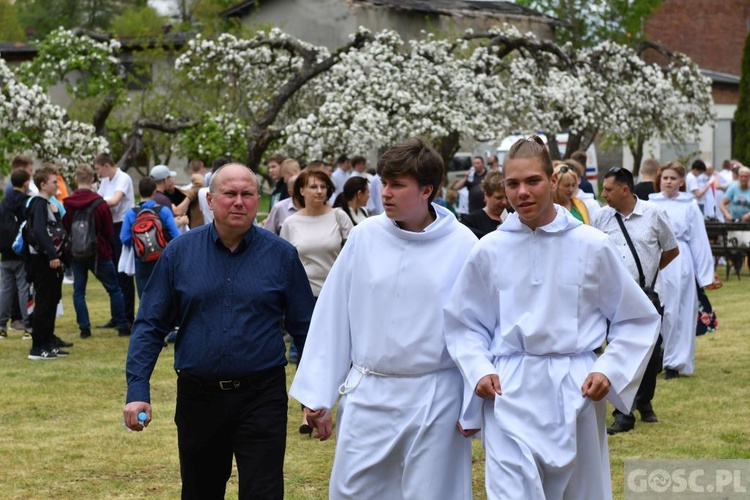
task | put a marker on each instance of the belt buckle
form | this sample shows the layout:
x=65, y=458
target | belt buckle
x=229, y=385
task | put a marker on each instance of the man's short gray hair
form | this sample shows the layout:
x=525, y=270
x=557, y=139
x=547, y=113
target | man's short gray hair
x=215, y=175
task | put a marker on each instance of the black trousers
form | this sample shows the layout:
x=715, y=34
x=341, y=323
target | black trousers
x=248, y=422
x=47, y=293
x=126, y=282
x=648, y=385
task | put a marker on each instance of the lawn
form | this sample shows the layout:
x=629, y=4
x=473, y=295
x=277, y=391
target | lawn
x=62, y=435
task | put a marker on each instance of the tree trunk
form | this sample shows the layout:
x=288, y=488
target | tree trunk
x=554, y=149
x=574, y=144
x=637, y=151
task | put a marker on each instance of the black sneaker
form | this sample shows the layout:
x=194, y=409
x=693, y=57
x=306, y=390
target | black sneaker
x=59, y=352
x=41, y=354
x=108, y=324
x=124, y=332
x=85, y=333
x=58, y=342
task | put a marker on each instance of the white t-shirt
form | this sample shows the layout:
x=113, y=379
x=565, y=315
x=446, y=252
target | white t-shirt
x=119, y=182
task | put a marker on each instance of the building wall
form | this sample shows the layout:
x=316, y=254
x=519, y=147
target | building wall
x=330, y=22
x=714, y=42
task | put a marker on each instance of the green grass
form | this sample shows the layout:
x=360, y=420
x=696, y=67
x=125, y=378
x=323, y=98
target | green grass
x=62, y=435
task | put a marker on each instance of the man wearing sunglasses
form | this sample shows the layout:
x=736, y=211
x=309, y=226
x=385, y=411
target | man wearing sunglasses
x=656, y=247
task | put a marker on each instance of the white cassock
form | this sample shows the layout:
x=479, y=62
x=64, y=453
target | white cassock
x=531, y=306
x=678, y=280
x=377, y=337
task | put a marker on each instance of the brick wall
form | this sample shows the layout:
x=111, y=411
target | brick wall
x=711, y=32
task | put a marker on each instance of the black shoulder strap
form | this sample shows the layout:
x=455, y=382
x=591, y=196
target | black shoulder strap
x=641, y=277
x=92, y=206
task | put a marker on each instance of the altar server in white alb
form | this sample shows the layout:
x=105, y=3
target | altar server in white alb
x=525, y=315
x=376, y=338
x=694, y=264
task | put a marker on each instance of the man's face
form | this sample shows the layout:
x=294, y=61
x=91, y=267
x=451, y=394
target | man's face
x=496, y=202
x=478, y=165
x=529, y=191
x=50, y=187
x=614, y=194
x=169, y=184
x=492, y=163
x=235, y=199
x=360, y=166
x=744, y=179
x=403, y=197
x=274, y=170
x=104, y=170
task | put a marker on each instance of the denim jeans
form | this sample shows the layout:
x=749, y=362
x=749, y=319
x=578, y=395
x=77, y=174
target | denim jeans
x=143, y=272
x=107, y=274
x=13, y=284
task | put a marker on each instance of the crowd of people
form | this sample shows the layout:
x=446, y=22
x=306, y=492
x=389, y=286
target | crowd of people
x=508, y=302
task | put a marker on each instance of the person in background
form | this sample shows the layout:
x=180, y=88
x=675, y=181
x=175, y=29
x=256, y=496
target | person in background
x=565, y=181
x=15, y=286
x=273, y=164
x=354, y=199
x=487, y=219
x=143, y=270
x=100, y=264
x=579, y=156
x=283, y=209
x=45, y=266
x=472, y=181
x=656, y=246
x=649, y=171
x=116, y=187
x=736, y=202
x=694, y=264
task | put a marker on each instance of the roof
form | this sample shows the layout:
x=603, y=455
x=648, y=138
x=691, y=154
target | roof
x=718, y=77
x=463, y=8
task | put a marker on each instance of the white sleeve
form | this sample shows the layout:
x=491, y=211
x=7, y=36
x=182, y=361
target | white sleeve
x=327, y=355
x=700, y=248
x=470, y=323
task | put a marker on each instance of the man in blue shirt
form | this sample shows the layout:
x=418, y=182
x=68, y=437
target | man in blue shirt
x=228, y=286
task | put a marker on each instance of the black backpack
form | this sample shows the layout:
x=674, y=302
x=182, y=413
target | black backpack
x=9, y=225
x=83, y=237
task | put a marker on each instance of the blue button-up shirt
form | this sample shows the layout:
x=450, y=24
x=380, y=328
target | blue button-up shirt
x=229, y=307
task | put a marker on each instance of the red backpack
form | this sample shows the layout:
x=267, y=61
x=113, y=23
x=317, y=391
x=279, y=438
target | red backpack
x=148, y=234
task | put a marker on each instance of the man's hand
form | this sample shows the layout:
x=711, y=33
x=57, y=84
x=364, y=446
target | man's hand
x=130, y=415
x=596, y=386
x=488, y=386
x=466, y=432
x=55, y=263
x=321, y=420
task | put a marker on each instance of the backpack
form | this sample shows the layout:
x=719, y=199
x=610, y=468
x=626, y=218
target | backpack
x=83, y=237
x=9, y=225
x=148, y=234
x=55, y=231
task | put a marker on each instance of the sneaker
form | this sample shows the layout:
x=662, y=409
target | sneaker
x=3, y=334
x=58, y=342
x=85, y=333
x=41, y=354
x=123, y=332
x=59, y=352
x=26, y=336
x=17, y=325
x=108, y=324
x=67, y=281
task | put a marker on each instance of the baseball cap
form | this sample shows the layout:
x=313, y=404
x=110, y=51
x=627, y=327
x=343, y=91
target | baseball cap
x=161, y=172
